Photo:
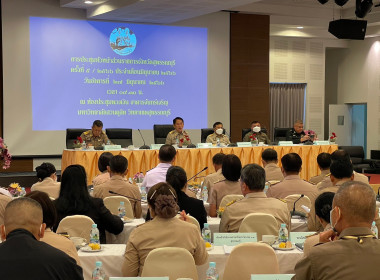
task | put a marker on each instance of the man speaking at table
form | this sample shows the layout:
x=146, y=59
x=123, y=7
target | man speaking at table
x=354, y=252
x=96, y=136
x=297, y=135
x=178, y=136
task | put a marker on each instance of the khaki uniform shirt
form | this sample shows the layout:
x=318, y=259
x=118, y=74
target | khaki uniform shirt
x=4, y=200
x=101, y=178
x=211, y=179
x=312, y=240
x=273, y=172
x=260, y=136
x=213, y=138
x=342, y=259
x=326, y=182
x=160, y=233
x=335, y=188
x=293, y=184
x=253, y=203
x=120, y=185
x=48, y=185
x=97, y=141
x=62, y=243
x=223, y=188
x=316, y=179
x=173, y=136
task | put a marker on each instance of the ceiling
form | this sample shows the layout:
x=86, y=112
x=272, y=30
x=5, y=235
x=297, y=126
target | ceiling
x=287, y=16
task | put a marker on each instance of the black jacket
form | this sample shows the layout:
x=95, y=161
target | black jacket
x=192, y=206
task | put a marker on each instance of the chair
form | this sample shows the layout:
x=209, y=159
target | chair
x=260, y=223
x=228, y=198
x=160, y=132
x=279, y=133
x=120, y=136
x=250, y=258
x=191, y=220
x=71, y=135
x=76, y=225
x=357, y=157
x=290, y=199
x=113, y=203
x=170, y=261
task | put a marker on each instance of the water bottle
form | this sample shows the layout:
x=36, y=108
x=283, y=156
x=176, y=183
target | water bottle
x=94, y=234
x=205, y=194
x=98, y=273
x=121, y=209
x=283, y=234
x=374, y=229
x=108, y=142
x=217, y=142
x=212, y=273
x=22, y=192
x=143, y=193
x=266, y=188
x=84, y=145
x=206, y=233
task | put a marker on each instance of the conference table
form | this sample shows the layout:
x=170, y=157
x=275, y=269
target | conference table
x=194, y=160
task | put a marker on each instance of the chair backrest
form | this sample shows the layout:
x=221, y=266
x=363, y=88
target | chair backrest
x=244, y=131
x=260, y=223
x=76, y=225
x=229, y=197
x=160, y=132
x=120, y=136
x=250, y=258
x=170, y=261
x=290, y=199
x=113, y=203
x=206, y=132
x=71, y=135
x=356, y=153
x=279, y=133
x=191, y=220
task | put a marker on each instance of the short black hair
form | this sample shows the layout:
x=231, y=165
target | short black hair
x=104, y=161
x=291, y=162
x=253, y=175
x=97, y=123
x=177, y=118
x=45, y=170
x=340, y=155
x=118, y=164
x=167, y=153
x=216, y=123
x=324, y=160
x=341, y=169
x=176, y=177
x=218, y=158
x=255, y=122
x=269, y=155
x=231, y=167
x=49, y=212
x=323, y=205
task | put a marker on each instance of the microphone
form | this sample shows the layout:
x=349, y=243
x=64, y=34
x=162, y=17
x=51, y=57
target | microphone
x=135, y=199
x=229, y=138
x=294, y=206
x=143, y=147
x=197, y=174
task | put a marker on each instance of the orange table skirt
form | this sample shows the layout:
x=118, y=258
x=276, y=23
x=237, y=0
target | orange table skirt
x=194, y=160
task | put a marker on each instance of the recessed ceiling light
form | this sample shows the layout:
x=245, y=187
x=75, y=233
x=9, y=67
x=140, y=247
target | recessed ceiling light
x=299, y=27
x=88, y=2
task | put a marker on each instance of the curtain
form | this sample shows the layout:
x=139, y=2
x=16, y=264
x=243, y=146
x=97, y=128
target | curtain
x=287, y=104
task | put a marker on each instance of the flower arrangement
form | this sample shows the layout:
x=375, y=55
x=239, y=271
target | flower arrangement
x=138, y=178
x=333, y=137
x=309, y=132
x=253, y=138
x=78, y=143
x=182, y=139
x=5, y=156
x=14, y=189
x=220, y=211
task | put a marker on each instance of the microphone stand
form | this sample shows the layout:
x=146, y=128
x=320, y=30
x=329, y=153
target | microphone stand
x=143, y=147
x=197, y=174
x=132, y=198
x=294, y=207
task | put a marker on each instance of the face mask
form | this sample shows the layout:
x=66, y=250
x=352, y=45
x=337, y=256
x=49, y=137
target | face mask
x=256, y=129
x=219, y=131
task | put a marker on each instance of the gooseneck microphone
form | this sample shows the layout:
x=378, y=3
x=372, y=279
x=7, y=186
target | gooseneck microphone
x=294, y=206
x=132, y=198
x=229, y=138
x=143, y=147
x=198, y=173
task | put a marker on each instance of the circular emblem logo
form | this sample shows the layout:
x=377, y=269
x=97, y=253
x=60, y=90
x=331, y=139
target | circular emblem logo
x=123, y=41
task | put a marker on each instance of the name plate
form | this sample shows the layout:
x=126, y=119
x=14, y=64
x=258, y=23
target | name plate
x=234, y=238
x=204, y=145
x=299, y=237
x=112, y=147
x=285, y=143
x=244, y=144
x=321, y=142
x=139, y=278
x=271, y=276
x=155, y=147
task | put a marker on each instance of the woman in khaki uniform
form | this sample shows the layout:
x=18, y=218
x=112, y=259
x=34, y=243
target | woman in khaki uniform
x=47, y=180
x=165, y=230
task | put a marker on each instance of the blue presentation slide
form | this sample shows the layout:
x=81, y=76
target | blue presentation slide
x=127, y=75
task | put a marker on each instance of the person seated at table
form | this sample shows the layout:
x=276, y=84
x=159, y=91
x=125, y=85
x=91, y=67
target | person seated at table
x=257, y=133
x=165, y=230
x=96, y=136
x=354, y=251
x=4, y=200
x=293, y=184
x=341, y=171
x=47, y=178
x=218, y=134
x=22, y=255
x=178, y=136
x=211, y=179
x=74, y=199
x=231, y=168
x=324, y=162
x=323, y=206
x=103, y=162
x=118, y=168
x=272, y=170
x=49, y=218
x=252, y=182
x=297, y=134
x=176, y=177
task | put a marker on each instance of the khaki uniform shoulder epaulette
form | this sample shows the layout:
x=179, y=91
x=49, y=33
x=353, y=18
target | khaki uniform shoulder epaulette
x=281, y=199
x=87, y=132
x=328, y=175
x=220, y=181
x=171, y=132
x=233, y=202
x=273, y=183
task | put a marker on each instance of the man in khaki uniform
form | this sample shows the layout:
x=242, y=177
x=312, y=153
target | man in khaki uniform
x=272, y=171
x=354, y=253
x=211, y=179
x=96, y=136
x=178, y=136
x=118, y=184
x=293, y=184
x=218, y=135
x=4, y=200
x=252, y=182
x=324, y=162
x=341, y=172
x=256, y=131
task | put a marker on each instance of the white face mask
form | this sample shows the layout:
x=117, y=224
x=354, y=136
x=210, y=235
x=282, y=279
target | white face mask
x=256, y=129
x=219, y=131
